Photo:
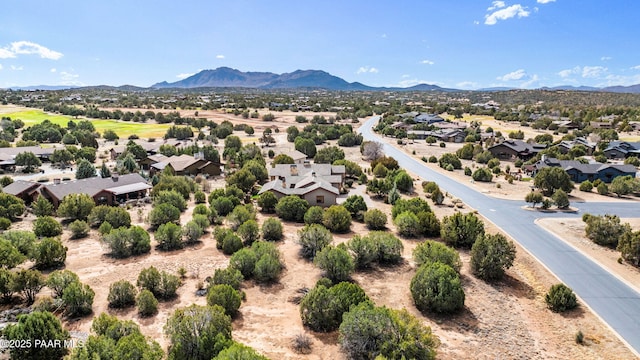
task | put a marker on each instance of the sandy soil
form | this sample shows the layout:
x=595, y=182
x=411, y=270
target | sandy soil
x=504, y=320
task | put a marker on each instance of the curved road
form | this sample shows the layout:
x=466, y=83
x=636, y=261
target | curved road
x=612, y=300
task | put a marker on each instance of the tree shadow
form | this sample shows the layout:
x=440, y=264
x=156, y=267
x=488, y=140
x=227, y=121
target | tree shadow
x=328, y=338
x=461, y=321
x=509, y=285
x=575, y=313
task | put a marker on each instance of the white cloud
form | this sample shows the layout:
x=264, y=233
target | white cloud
x=568, y=72
x=427, y=62
x=53, y=70
x=0, y=66
x=6, y=54
x=366, y=69
x=506, y=13
x=496, y=5
x=70, y=78
x=219, y=56
x=17, y=68
x=515, y=75
x=545, y=1
x=637, y=67
x=593, y=71
x=532, y=80
x=184, y=75
x=476, y=22
x=384, y=36
x=606, y=58
x=467, y=85
x=29, y=48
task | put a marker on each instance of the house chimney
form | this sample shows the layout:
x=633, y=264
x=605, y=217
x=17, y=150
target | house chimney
x=294, y=169
x=284, y=183
x=544, y=158
x=114, y=176
x=56, y=181
x=307, y=163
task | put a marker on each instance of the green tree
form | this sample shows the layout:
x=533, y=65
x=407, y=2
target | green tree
x=122, y=294
x=461, y=230
x=198, y=332
x=305, y=146
x=10, y=256
x=272, y=229
x=629, y=247
x=560, y=298
x=78, y=299
x=624, y=185
x=328, y=155
x=42, y=207
x=534, y=198
x=249, y=231
x=267, y=202
x=11, y=206
x=292, y=208
x=164, y=213
x=228, y=276
x=146, y=303
x=375, y=219
x=491, y=255
x=85, y=169
x=27, y=159
x=586, y=186
x=238, y=351
x=482, y=175
x=404, y=182
x=40, y=325
x=389, y=247
x=313, y=238
x=436, y=287
x=322, y=308
x=449, y=159
x=561, y=199
x=314, y=215
x=46, y=226
x=79, y=229
x=59, y=280
x=413, y=205
x=169, y=237
x=225, y=296
x=282, y=159
x=336, y=263
x=125, y=242
x=62, y=157
x=244, y=260
x=337, y=219
x=29, y=283
x=369, y=332
x=550, y=179
x=432, y=251
x=76, y=206
x=169, y=197
x=606, y=230
x=407, y=224
x=49, y=253
x=243, y=179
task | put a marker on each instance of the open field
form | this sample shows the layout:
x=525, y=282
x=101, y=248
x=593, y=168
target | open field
x=123, y=128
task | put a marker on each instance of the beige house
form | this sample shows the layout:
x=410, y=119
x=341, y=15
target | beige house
x=318, y=184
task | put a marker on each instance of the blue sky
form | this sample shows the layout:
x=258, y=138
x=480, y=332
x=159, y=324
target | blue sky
x=466, y=44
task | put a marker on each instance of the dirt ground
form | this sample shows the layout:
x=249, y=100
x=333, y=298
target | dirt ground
x=504, y=320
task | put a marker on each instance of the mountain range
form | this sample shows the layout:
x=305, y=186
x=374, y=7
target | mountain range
x=225, y=77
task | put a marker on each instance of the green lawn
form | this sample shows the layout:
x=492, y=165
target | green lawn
x=123, y=128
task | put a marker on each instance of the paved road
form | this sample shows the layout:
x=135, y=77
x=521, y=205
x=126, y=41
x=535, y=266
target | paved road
x=611, y=299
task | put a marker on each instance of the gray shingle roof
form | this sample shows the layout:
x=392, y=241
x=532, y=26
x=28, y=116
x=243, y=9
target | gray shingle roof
x=92, y=186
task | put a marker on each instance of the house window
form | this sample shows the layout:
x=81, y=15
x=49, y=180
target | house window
x=319, y=199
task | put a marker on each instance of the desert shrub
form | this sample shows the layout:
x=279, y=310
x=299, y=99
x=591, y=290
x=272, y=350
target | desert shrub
x=146, y=303
x=36, y=325
x=267, y=201
x=59, y=280
x=482, y=174
x=461, y=230
x=162, y=284
x=231, y=244
x=605, y=230
x=122, y=294
x=42, y=207
x=322, y=308
x=336, y=263
x=586, y=186
x=228, y=276
x=249, y=232
x=240, y=215
x=76, y=206
x=561, y=199
x=124, y=242
x=49, y=253
x=199, y=197
x=29, y=283
x=4, y=223
x=449, y=159
x=193, y=231
x=313, y=238
x=369, y=332
x=164, y=213
x=292, y=208
x=432, y=251
x=79, y=229
x=105, y=228
x=301, y=344
x=46, y=226
x=375, y=219
x=169, y=237
x=389, y=247
x=225, y=296
x=172, y=197
x=22, y=240
x=77, y=299
x=436, y=287
x=267, y=269
x=560, y=298
x=10, y=256
x=602, y=189
x=467, y=171
x=407, y=224
x=491, y=255
x=414, y=205
x=428, y=223
x=337, y=219
x=314, y=215
x=272, y=229
x=244, y=260
x=364, y=250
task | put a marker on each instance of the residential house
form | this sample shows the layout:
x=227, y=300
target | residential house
x=146, y=163
x=565, y=146
x=318, y=184
x=8, y=154
x=580, y=172
x=104, y=191
x=447, y=135
x=187, y=165
x=25, y=190
x=516, y=148
x=622, y=149
x=151, y=147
